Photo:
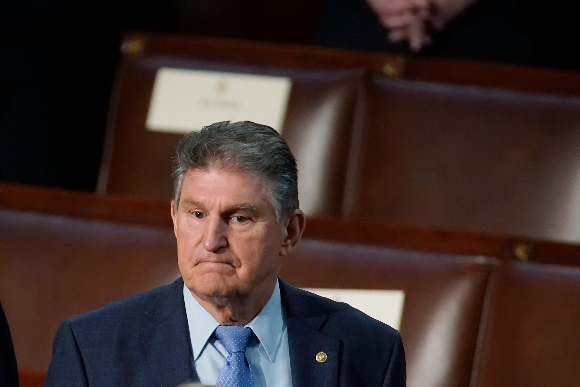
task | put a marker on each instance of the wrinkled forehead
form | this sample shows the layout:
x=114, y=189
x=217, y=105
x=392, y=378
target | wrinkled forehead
x=225, y=165
x=231, y=166
x=228, y=167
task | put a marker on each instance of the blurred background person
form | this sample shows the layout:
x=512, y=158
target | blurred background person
x=527, y=32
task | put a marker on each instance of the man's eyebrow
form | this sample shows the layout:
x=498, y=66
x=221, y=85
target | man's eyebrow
x=236, y=207
x=243, y=206
x=192, y=202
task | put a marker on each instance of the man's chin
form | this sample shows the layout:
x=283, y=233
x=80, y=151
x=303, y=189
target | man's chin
x=214, y=293
x=220, y=294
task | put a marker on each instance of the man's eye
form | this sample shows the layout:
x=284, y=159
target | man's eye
x=240, y=219
x=198, y=214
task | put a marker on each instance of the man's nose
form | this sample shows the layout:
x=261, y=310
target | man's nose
x=215, y=235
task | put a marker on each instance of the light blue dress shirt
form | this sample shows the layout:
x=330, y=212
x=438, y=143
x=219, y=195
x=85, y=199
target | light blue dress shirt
x=267, y=352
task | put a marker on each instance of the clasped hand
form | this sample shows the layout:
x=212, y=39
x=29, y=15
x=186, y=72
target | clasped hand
x=416, y=21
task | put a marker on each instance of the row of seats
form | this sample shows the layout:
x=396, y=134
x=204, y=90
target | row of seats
x=471, y=316
x=478, y=147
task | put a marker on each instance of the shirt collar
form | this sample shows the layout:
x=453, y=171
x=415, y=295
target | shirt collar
x=268, y=325
x=199, y=321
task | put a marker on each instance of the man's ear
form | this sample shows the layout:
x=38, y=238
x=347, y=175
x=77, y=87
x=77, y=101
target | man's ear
x=295, y=225
x=173, y=218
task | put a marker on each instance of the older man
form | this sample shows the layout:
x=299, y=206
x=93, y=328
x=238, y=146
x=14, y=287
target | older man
x=229, y=320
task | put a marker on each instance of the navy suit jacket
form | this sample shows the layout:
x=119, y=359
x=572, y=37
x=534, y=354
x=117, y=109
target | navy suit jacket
x=144, y=341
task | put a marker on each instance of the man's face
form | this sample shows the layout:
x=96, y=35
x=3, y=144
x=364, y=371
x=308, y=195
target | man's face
x=228, y=241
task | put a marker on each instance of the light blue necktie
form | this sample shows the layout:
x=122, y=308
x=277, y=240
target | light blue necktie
x=236, y=371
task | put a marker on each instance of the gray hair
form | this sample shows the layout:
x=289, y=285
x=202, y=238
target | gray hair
x=252, y=148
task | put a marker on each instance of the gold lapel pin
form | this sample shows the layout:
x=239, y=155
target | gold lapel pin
x=321, y=357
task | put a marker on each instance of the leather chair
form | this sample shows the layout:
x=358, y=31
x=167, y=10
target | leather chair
x=467, y=158
x=53, y=267
x=317, y=125
x=530, y=335
x=444, y=297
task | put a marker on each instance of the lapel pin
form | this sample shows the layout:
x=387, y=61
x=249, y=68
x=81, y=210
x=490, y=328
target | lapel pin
x=321, y=357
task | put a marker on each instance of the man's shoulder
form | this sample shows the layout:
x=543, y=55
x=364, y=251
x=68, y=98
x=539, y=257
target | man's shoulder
x=129, y=309
x=340, y=318
x=313, y=318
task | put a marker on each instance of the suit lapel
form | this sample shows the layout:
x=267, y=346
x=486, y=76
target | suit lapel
x=314, y=356
x=164, y=339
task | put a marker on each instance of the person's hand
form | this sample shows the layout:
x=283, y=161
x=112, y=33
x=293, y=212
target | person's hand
x=406, y=20
x=444, y=11
x=414, y=21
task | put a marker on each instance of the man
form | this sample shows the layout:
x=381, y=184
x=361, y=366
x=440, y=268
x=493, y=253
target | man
x=236, y=218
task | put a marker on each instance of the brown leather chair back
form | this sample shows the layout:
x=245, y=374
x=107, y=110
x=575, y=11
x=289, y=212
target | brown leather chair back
x=444, y=296
x=317, y=125
x=467, y=158
x=530, y=336
x=53, y=267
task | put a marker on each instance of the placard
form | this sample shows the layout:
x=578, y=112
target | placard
x=186, y=100
x=384, y=305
